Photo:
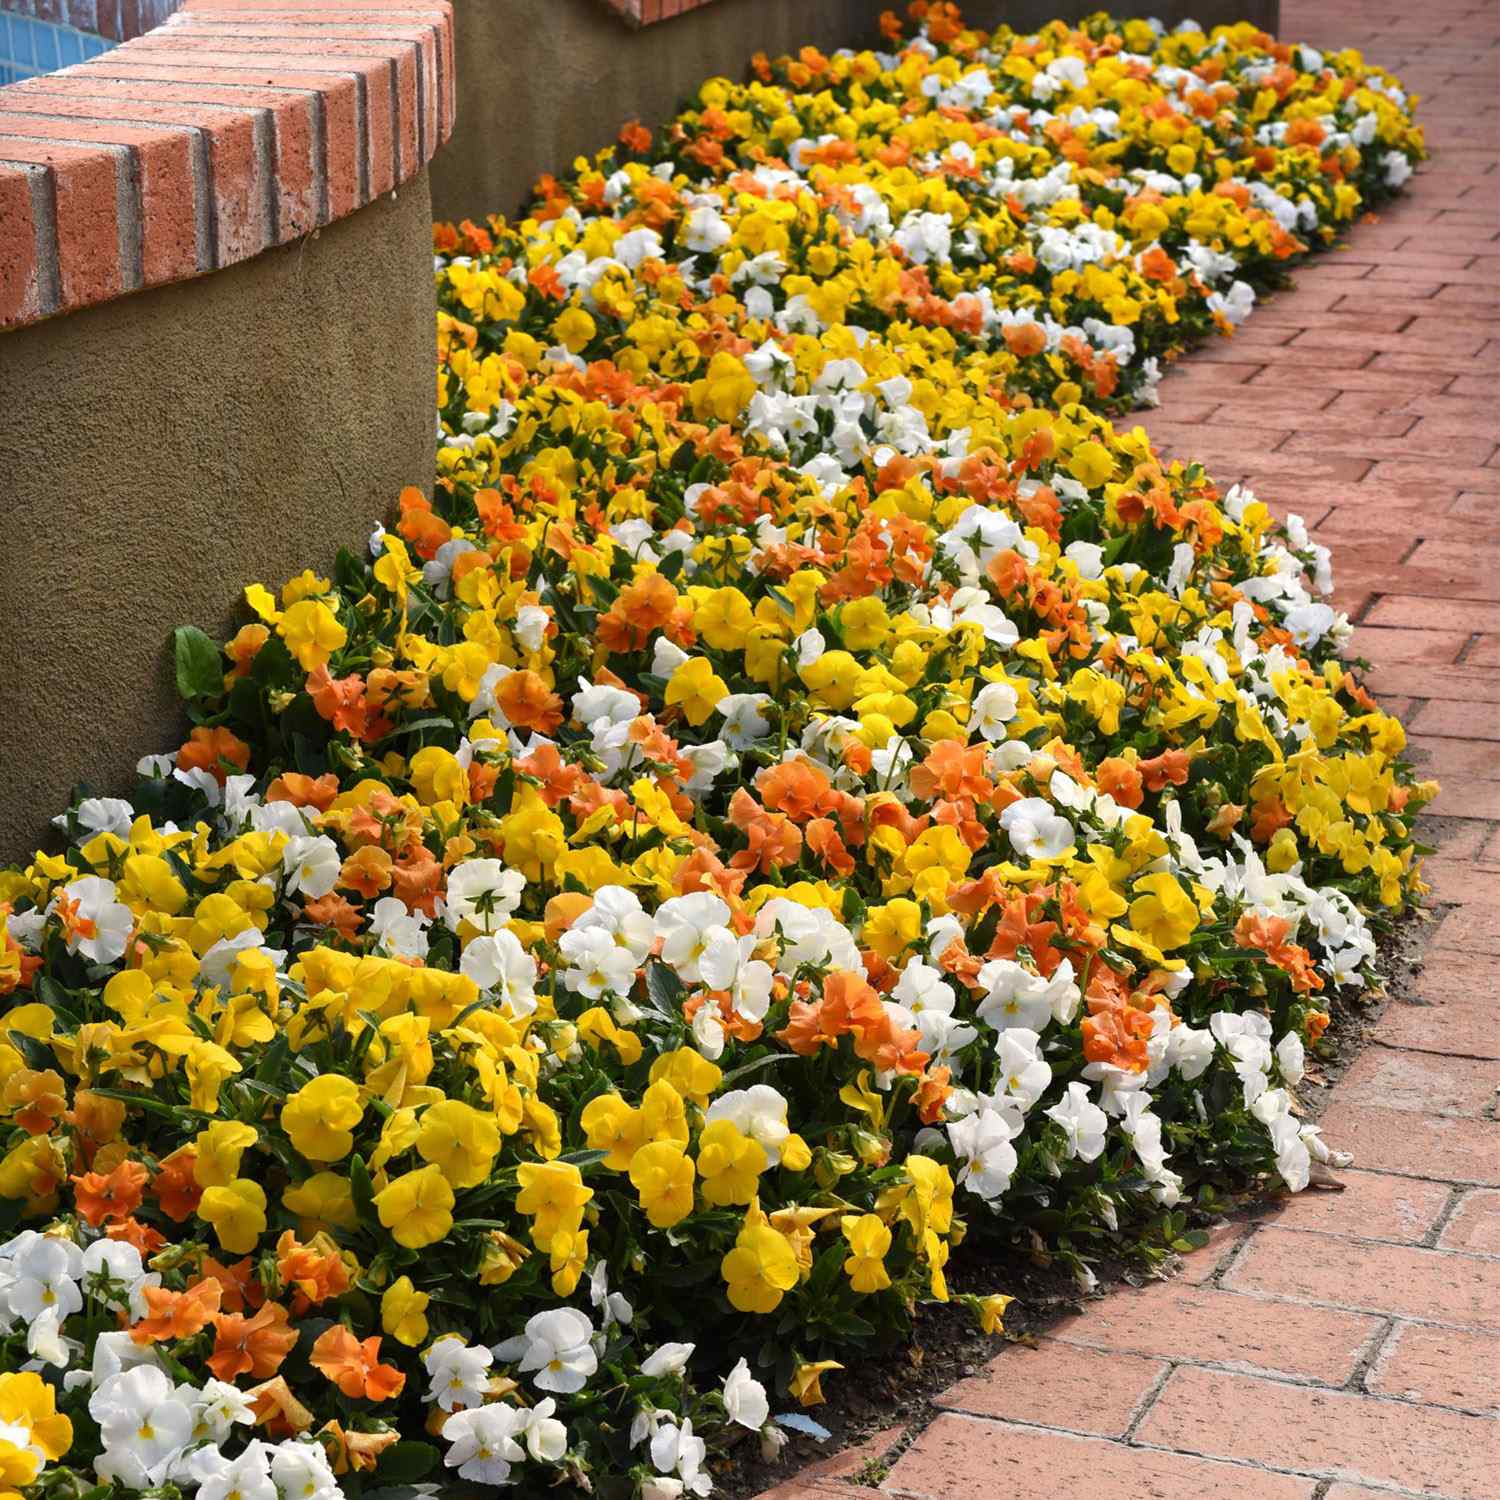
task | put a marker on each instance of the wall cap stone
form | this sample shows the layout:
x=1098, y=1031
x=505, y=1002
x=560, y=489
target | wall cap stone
x=234, y=126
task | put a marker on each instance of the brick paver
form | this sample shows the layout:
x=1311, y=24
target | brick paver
x=1344, y=1346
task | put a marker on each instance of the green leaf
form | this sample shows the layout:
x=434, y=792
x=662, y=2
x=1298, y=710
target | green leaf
x=583, y=1158
x=363, y=1190
x=200, y=669
x=664, y=989
x=417, y=726
x=760, y=1063
x=407, y=1462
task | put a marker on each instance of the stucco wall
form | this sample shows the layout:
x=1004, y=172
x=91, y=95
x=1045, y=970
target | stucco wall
x=1027, y=15
x=159, y=452
x=541, y=81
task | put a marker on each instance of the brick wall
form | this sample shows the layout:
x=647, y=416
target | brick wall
x=234, y=126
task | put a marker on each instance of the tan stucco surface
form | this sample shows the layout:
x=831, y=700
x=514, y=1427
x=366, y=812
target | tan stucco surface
x=543, y=81
x=159, y=452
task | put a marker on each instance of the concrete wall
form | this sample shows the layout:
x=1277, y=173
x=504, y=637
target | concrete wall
x=543, y=81
x=161, y=451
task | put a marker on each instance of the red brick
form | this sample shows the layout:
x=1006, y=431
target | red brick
x=1327, y=1433
x=1455, y=838
x=1410, y=260
x=1461, y=683
x=1223, y=438
x=1441, y=1147
x=1285, y=473
x=1445, y=976
x=1203, y=1325
x=1466, y=564
x=1455, y=883
x=1458, y=720
x=1441, y=1366
x=238, y=184
x=88, y=229
x=387, y=151
x=1262, y=403
x=965, y=1458
x=21, y=288
x=1421, y=612
x=163, y=160
x=136, y=84
x=1394, y=438
x=1477, y=796
x=1042, y=1386
x=1352, y=523
x=1224, y=1238
x=1422, y=1082
x=355, y=40
x=1385, y=316
x=1199, y=379
x=1373, y=1206
x=1473, y=928
x=1457, y=345
x=830, y=1472
x=821, y=1489
x=1486, y=650
x=1434, y=647
x=1438, y=1285
x=1474, y=1224
x=1465, y=1028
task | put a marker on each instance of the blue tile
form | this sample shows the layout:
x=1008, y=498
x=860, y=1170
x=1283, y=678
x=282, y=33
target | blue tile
x=26, y=52
x=69, y=48
x=46, y=48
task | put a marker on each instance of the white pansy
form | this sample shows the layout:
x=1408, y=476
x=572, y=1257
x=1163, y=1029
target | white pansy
x=311, y=864
x=556, y=1350
x=1083, y=1122
x=498, y=962
x=93, y=922
x=982, y=1143
x=483, y=893
x=667, y=1359
x=745, y=1398
x=484, y=1442
x=684, y=924
x=759, y=1112
x=457, y=1373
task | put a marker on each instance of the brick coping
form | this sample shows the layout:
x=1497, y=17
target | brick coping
x=648, y=12
x=235, y=126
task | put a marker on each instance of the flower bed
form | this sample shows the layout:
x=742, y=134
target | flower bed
x=806, y=788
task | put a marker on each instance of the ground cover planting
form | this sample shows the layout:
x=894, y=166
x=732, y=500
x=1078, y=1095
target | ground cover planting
x=804, y=789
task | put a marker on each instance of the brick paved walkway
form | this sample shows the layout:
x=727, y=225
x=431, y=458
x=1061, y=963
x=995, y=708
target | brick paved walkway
x=1345, y=1346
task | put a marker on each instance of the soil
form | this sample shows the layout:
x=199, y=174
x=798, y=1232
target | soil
x=899, y=1389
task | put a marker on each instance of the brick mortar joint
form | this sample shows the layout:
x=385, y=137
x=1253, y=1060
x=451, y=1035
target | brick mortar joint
x=64, y=278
